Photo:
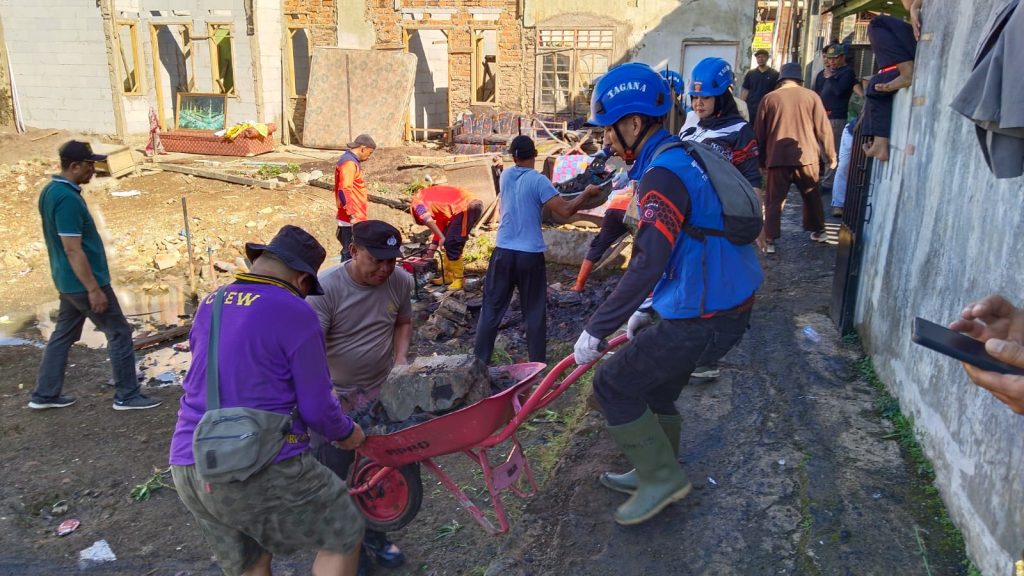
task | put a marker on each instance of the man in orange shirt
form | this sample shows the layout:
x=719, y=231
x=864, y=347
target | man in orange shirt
x=450, y=213
x=350, y=189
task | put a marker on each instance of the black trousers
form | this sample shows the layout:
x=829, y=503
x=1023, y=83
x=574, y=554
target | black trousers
x=344, y=236
x=507, y=270
x=650, y=371
x=454, y=239
x=892, y=41
x=612, y=228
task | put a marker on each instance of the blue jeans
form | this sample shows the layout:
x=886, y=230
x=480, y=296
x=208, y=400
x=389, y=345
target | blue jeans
x=74, y=309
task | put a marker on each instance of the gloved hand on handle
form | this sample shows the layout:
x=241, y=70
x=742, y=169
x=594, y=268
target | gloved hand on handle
x=643, y=317
x=588, y=348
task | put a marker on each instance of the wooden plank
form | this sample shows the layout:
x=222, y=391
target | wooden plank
x=163, y=336
x=396, y=203
x=214, y=175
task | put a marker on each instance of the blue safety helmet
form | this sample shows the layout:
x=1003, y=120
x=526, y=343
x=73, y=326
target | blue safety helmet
x=674, y=80
x=631, y=88
x=711, y=77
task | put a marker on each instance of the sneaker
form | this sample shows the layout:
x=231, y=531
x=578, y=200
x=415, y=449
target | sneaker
x=139, y=402
x=383, y=551
x=58, y=402
x=706, y=372
x=837, y=211
x=819, y=236
x=769, y=248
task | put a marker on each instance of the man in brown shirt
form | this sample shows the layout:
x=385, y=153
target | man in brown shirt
x=793, y=130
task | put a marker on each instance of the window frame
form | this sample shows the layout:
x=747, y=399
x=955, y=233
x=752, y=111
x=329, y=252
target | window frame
x=597, y=40
x=211, y=26
x=290, y=54
x=476, y=65
x=133, y=27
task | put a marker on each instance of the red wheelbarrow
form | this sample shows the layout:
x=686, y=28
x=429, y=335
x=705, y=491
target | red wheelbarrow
x=384, y=480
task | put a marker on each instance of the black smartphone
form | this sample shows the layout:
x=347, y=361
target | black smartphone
x=959, y=346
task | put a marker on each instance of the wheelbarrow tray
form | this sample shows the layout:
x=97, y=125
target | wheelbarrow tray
x=456, y=431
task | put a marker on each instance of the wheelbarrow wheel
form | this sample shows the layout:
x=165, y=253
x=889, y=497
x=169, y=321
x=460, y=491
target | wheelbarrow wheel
x=393, y=502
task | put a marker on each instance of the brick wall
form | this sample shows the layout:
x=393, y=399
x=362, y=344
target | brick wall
x=319, y=18
x=515, y=64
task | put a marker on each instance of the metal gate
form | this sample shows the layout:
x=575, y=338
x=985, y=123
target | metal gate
x=856, y=213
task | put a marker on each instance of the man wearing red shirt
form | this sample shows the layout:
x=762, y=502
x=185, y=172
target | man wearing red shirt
x=350, y=189
x=450, y=213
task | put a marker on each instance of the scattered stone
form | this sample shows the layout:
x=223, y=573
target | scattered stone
x=434, y=384
x=60, y=508
x=222, y=266
x=304, y=177
x=98, y=553
x=286, y=177
x=22, y=187
x=250, y=224
x=165, y=261
x=267, y=210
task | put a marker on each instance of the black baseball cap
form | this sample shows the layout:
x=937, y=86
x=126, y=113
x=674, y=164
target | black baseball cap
x=761, y=51
x=834, y=51
x=296, y=248
x=381, y=239
x=76, y=151
x=522, y=148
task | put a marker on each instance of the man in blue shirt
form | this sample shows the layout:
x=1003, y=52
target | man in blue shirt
x=518, y=257
x=78, y=265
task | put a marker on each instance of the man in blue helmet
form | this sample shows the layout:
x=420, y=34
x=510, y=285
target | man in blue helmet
x=703, y=292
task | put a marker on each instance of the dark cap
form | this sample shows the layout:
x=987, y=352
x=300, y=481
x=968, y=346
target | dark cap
x=791, y=71
x=297, y=249
x=381, y=239
x=761, y=51
x=834, y=51
x=363, y=140
x=79, y=152
x=522, y=148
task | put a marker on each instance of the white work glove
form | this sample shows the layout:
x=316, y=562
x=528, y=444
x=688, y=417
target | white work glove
x=588, y=348
x=640, y=319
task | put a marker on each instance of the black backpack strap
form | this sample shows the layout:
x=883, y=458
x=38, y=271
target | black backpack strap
x=212, y=360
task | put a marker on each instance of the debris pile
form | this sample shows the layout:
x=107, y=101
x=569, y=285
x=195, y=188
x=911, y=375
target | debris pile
x=451, y=319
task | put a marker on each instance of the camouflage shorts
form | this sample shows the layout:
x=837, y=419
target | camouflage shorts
x=294, y=505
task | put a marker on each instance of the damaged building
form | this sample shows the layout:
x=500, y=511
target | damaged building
x=101, y=66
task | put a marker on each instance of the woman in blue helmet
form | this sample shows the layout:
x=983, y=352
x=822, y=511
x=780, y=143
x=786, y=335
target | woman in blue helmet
x=703, y=292
x=721, y=127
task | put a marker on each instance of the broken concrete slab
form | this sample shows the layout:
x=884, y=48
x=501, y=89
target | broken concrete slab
x=434, y=384
x=165, y=260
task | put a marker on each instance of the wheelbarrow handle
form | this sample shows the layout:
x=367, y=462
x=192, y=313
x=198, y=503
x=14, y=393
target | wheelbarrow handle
x=548, y=390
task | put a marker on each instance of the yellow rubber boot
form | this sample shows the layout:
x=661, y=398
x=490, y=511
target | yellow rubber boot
x=457, y=267
x=446, y=267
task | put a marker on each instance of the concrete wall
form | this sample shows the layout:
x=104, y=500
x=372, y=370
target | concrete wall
x=355, y=30
x=942, y=233
x=653, y=31
x=58, y=54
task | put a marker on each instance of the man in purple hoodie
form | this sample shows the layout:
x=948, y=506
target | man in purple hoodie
x=272, y=358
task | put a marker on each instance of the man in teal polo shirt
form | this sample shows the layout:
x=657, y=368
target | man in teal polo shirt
x=78, y=265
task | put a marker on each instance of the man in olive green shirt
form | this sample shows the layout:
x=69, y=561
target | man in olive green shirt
x=79, y=268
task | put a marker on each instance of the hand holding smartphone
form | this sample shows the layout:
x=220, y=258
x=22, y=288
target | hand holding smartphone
x=958, y=346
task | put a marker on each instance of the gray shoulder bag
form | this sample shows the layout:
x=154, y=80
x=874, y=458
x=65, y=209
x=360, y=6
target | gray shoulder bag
x=232, y=444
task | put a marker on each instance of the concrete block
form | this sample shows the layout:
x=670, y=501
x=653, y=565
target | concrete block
x=434, y=384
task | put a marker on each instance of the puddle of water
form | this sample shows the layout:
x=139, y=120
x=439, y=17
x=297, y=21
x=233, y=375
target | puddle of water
x=164, y=367
x=147, y=308
x=13, y=341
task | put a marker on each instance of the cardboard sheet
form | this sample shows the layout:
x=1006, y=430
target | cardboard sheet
x=352, y=92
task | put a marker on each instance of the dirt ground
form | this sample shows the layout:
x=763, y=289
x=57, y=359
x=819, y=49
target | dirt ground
x=794, y=471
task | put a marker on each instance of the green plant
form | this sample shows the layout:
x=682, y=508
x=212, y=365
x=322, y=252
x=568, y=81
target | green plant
x=414, y=187
x=448, y=529
x=267, y=171
x=143, y=491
